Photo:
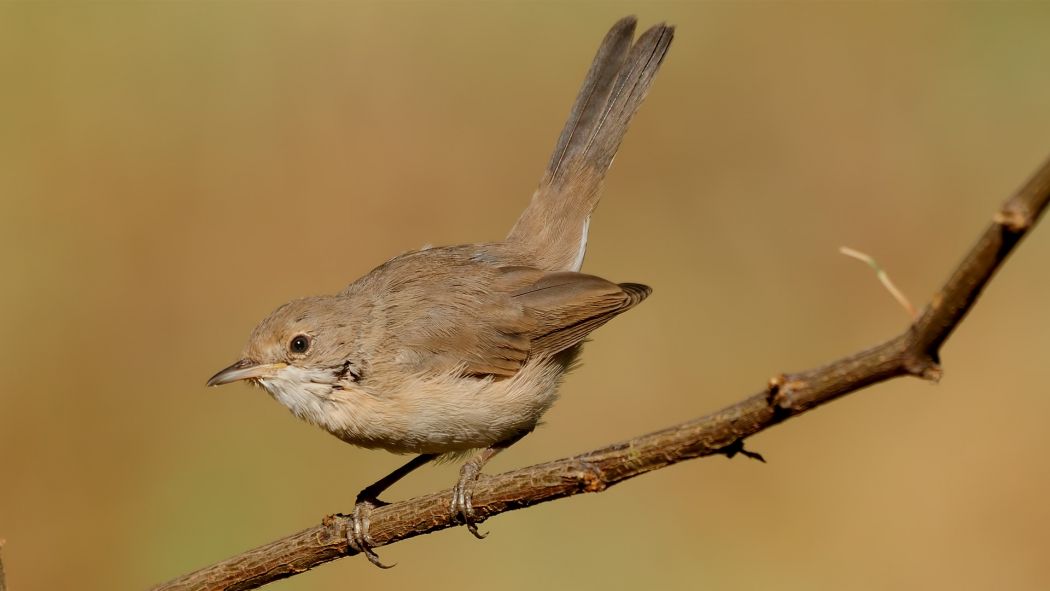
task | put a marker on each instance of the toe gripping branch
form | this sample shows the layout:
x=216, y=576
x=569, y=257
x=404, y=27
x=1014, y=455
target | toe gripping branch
x=357, y=536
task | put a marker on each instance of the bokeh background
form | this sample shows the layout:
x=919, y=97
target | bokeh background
x=170, y=172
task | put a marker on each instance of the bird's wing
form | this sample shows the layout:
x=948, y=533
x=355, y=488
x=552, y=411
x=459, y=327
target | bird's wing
x=488, y=321
x=568, y=306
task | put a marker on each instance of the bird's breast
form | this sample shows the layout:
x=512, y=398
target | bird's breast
x=439, y=413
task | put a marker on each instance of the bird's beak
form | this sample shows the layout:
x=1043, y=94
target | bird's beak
x=245, y=369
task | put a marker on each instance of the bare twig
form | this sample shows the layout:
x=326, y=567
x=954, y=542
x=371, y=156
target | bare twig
x=884, y=278
x=915, y=353
x=3, y=577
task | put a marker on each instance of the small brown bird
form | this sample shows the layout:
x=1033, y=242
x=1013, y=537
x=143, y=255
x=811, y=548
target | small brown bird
x=451, y=349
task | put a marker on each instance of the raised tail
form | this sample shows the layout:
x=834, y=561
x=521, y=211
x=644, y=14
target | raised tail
x=554, y=225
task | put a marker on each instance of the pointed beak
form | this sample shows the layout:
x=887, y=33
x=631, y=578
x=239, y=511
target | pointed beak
x=245, y=369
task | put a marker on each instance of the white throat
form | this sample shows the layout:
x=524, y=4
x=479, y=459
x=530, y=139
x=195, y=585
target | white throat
x=305, y=392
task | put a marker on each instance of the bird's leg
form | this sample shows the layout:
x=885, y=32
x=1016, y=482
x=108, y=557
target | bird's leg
x=462, y=494
x=357, y=536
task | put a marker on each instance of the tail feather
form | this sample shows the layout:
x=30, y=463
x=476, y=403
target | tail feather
x=554, y=225
x=594, y=94
x=632, y=85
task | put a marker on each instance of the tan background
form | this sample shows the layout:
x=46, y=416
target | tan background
x=170, y=172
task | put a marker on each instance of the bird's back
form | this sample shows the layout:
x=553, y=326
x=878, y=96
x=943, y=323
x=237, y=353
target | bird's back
x=479, y=310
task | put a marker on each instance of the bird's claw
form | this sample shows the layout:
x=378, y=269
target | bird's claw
x=357, y=534
x=461, y=506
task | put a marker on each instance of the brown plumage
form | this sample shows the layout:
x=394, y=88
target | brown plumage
x=554, y=225
x=449, y=349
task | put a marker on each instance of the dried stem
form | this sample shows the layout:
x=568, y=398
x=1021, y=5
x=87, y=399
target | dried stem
x=915, y=353
x=884, y=278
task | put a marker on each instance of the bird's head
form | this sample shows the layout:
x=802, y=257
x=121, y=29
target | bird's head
x=301, y=348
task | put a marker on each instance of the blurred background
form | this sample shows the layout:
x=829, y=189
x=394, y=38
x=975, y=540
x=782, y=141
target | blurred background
x=171, y=172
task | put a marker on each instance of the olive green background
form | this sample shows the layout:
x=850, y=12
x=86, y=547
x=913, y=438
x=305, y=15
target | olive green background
x=170, y=172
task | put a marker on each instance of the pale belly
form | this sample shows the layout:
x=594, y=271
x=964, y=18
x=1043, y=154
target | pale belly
x=434, y=414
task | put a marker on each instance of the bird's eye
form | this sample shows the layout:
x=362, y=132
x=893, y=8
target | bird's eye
x=299, y=344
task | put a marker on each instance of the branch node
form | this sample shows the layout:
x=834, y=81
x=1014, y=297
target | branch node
x=340, y=523
x=773, y=387
x=1014, y=218
x=932, y=373
x=780, y=392
x=925, y=367
x=589, y=478
x=737, y=447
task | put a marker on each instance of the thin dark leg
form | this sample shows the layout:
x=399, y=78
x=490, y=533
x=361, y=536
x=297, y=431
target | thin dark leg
x=463, y=493
x=372, y=491
x=368, y=499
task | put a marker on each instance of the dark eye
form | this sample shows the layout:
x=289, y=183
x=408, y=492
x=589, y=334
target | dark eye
x=299, y=344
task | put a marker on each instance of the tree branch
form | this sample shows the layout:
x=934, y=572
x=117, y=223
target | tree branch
x=3, y=577
x=915, y=352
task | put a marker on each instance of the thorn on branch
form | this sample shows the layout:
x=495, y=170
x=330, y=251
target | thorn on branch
x=737, y=447
x=884, y=278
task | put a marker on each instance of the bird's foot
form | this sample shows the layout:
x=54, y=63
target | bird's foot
x=462, y=495
x=357, y=535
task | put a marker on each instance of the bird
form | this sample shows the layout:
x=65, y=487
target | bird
x=458, y=351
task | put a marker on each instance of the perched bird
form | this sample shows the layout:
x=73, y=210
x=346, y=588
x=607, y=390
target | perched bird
x=452, y=349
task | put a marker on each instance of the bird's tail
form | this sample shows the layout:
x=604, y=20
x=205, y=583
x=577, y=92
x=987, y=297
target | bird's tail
x=554, y=225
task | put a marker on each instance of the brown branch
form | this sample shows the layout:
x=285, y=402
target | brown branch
x=3, y=577
x=915, y=352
